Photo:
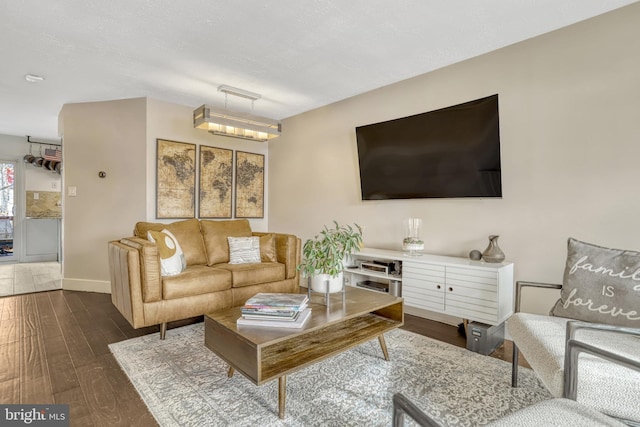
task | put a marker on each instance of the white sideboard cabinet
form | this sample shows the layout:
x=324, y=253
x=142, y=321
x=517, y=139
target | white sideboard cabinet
x=460, y=287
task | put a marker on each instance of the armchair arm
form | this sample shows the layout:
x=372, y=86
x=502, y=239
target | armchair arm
x=521, y=284
x=574, y=325
x=402, y=405
x=574, y=347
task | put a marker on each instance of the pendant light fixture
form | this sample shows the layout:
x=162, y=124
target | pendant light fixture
x=221, y=121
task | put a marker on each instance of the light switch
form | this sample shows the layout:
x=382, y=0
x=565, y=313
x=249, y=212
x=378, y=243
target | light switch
x=36, y=196
x=71, y=191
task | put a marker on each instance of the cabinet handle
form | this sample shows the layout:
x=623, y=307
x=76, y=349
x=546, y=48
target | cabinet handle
x=438, y=286
x=450, y=289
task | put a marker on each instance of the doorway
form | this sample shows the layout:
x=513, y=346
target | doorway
x=7, y=209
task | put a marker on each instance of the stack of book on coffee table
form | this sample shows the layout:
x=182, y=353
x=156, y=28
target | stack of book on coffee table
x=276, y=310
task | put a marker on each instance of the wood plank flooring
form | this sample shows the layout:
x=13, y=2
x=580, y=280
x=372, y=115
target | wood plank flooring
x=53, y=349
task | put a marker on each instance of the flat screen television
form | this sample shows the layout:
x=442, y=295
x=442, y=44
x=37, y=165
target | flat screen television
x=447, y=153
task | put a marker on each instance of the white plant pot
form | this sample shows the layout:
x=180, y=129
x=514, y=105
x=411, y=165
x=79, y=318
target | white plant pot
x=319, y=283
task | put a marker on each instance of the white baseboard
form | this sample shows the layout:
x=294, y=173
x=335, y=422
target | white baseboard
x=84, y=285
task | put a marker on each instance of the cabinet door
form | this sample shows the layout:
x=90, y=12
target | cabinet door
x=472, y=294
x=423, y=286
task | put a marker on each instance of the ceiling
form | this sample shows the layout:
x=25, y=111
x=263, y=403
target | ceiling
x=299, y=55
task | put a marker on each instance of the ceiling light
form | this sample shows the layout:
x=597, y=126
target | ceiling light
x=32, y=78
x=228, y=90
x=221, y=121
x=234, y=124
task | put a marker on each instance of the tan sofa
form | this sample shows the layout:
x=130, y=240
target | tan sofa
x=208, y=283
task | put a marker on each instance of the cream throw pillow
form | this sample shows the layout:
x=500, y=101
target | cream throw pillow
x=244, y=250
x=172, y=259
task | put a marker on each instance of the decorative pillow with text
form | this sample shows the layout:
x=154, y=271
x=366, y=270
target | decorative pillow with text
x=244, y=250
x=600, y=285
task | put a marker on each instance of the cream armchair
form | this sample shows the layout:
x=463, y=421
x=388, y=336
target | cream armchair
x=601, y=289
x=556, y=412
x=551, y=346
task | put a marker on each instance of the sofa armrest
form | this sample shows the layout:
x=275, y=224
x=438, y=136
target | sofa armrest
x=521, y=284
x=574, y=347
x=149, y=259
x=288, y=250
x=126, y=292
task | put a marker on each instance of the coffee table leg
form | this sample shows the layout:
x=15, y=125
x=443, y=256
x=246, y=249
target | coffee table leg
x=282, y=393
x=383, y=346
x=230, y=373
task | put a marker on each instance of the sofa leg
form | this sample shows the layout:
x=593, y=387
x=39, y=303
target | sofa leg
x=163, y=330
x=514, y=366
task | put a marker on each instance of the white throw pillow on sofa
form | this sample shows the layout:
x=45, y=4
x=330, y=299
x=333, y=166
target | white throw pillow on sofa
x=172, y=259
x=244, y=250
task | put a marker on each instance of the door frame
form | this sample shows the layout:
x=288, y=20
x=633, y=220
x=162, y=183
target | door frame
x=18, y=211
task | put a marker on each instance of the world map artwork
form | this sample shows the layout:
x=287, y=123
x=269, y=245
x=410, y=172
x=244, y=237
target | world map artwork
x=249, y=185
x=176, y=165
x=216, y=175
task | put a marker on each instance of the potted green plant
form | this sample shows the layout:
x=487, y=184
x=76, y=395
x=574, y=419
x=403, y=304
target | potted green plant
x=325, y=254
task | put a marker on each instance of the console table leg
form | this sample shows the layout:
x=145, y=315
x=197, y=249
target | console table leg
x=282, y=393
x=383, y=346
x=230, y=373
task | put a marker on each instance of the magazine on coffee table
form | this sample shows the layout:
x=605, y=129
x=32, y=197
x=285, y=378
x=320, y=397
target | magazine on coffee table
x=289, y=316
x=277, y=301
x=303, y=317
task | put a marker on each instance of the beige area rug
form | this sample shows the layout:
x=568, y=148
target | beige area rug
x=185, y=384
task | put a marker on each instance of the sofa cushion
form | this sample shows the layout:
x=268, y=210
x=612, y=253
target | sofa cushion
x=171, y=256
x=541, y=339
x=215, y=235
x=195, y=280
x=268, y=248
x=188, y=234
x=252, y=274
x=244, y=250
x=600, y=285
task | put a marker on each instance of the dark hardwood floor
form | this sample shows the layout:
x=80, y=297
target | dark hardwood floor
x=53, y=349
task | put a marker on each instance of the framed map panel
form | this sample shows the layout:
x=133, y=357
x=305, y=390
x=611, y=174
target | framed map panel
x=175, y=179
x=216, y=175
x=249, y=185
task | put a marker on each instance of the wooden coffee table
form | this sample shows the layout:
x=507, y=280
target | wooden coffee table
x=263, y=354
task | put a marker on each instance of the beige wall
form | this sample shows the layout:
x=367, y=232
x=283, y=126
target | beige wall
x=175, y=122
x=568, y=105
x=119, y=137
x=100, y=136
x=569, y=125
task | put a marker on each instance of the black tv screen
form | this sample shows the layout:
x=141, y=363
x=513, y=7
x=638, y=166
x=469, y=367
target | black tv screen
x=450, y=152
